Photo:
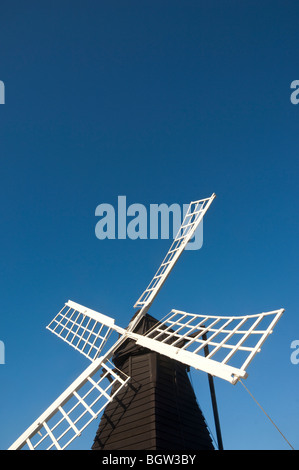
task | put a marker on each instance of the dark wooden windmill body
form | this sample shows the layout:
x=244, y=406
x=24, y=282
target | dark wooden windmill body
x=157, y=410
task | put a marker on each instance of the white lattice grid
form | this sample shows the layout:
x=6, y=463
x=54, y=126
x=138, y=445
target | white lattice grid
x=72, y=412
x=233, y=340
x=194, y=215
x=85, y=330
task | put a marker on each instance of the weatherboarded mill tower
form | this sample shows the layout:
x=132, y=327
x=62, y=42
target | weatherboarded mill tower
x=158, y=408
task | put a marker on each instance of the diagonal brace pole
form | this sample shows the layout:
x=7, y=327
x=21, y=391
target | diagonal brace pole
x=214, y=401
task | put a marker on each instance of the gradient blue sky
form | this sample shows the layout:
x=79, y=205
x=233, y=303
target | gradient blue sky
x=164, y=102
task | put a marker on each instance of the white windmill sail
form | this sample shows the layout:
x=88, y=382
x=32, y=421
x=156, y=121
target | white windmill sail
x=82, y=328
x=74, y=409
x=192, y=219
x=234, y=340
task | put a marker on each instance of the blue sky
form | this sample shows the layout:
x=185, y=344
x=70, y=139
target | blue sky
x=164, y=102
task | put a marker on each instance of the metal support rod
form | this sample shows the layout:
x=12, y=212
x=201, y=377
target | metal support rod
x=213, y=398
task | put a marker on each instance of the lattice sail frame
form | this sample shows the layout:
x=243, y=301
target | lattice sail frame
x=84, y=329
x=192, y=219
x=74, y=409
x=187, y=337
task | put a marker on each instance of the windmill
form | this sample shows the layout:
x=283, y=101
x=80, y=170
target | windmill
x=221, y=346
